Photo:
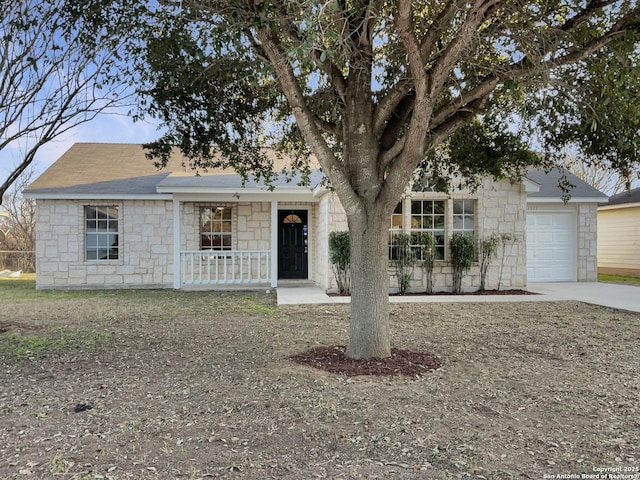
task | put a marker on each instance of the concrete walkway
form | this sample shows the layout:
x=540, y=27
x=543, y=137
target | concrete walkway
x=606, y=294
x=624, y=297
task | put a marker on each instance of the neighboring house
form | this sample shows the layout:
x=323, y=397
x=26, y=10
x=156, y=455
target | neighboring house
x=619, y=234
x=107, y=218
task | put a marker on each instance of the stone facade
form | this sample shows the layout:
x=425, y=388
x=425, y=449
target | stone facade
x=144, y=241
x=587, y=242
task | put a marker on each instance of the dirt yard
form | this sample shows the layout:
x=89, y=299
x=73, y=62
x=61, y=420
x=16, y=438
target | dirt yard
x=171, y=385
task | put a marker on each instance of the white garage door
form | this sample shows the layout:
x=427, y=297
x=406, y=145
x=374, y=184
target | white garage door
x=551, y=246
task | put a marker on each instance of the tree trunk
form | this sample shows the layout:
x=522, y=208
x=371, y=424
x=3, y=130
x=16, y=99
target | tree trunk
x=369, y=322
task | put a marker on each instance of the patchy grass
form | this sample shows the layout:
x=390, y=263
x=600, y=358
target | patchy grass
x=200, y=385
x=618, y=279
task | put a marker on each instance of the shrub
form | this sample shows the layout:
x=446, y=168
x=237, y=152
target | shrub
x=462, y=256
x=404, y=259
x=509, y=240
x=488, y=250
x=340, y=257
x=427, y=246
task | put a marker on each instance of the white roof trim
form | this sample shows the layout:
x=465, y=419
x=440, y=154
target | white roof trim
x=571, y=200
x=96, y=196
x=241, y=197
x=530, y=186
x=235, y=190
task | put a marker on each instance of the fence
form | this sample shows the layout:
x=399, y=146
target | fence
x=17, y=260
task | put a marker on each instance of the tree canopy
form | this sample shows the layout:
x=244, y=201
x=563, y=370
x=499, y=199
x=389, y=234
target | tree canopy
x=375, y=89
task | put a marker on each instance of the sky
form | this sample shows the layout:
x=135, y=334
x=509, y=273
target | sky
x=106, y=128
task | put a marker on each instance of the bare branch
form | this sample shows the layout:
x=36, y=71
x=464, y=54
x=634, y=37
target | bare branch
x=48, y=79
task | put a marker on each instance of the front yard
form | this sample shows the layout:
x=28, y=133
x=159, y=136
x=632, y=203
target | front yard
x=162, y=384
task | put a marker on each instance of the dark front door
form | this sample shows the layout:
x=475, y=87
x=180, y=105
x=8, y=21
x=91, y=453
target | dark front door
x=293, y=244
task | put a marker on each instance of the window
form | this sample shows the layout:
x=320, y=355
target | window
x=101, y=232
x=395, y=227
x=429, y=216
x=463, y=216
x=215, y=228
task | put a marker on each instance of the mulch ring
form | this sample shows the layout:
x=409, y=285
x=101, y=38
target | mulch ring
x=401, y=362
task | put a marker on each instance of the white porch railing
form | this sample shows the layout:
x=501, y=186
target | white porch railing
x=225, y=267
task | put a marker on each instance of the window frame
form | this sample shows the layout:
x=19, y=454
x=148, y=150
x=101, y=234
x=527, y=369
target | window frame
x=99, y=234
x=446, y=212
x=464, y=216
x=438, y=233
x=224, y=224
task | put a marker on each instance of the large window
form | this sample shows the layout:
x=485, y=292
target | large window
x=429, y=216
x=101, y=232
x=463, y=216
x=215, y=228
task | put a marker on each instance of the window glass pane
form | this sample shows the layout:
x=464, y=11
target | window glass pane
x=458, y=223
x=468, y=207
x=416, y=208
x=438, y=208
x=438, y=221
x=92, y=240
x=398, y=209
x=468, y=223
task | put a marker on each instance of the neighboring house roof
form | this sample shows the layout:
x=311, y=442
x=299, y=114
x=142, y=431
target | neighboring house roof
x=623, y=199
x=550, y=187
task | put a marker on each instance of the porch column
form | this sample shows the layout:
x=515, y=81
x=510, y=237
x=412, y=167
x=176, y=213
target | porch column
x=274, y=243
x=176, y=244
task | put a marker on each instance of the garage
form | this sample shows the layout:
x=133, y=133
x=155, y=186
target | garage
x=551, y=246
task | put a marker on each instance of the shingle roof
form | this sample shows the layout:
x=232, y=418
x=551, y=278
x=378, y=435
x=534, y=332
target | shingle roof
x=550, y=188
x=632, y=196
x=123, y=169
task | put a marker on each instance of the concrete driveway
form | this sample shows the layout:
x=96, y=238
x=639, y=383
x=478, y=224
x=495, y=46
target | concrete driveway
x=625, y=297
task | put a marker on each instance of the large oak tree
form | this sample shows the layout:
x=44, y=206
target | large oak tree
x=376, y=89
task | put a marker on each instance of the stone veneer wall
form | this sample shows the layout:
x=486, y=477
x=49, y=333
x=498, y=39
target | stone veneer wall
x=145, y=242
x=587, y=242
x=331, y=218
x=500, y=208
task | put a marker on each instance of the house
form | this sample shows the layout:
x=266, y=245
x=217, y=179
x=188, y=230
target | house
x=107, y=218
x=619, y=234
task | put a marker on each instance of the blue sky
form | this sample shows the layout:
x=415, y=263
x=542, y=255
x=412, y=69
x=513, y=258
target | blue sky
x=106, y=128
